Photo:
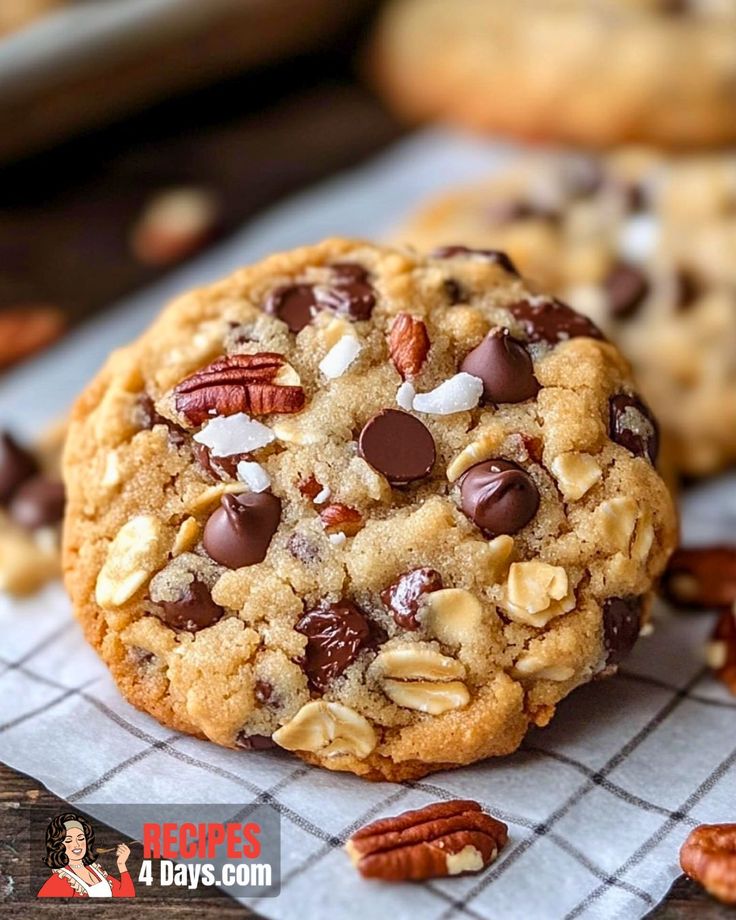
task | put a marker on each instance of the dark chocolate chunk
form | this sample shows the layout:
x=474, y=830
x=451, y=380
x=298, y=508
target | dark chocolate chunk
x=397, y=445
x=335, y=635
x=633, y=426
x=303, y=549
x=222, y=469
x=295, y=304
x=686, y=289
x=351, y=294
x=453, y=291
x=262, y=691
x=254, y=742
x=193, y=611
x=16, y=466
x=504, y=366
x=626, y=287
x=490, y=255
x=150, y=418
x=240, y=531
x=39, y=502
x=498, y=496
x=552, y=321
x=404, y=596
x=621, y=625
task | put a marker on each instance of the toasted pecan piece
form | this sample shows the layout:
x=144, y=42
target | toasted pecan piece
x=708, y=856
x=258, y=384
x=446, y=838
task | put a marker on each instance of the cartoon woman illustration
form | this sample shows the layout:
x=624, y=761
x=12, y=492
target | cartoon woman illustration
x=71, y=854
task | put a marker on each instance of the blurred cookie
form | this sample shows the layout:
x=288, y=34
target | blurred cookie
x=596, y=73
x=644, y=245
x=379, y=510
x=31, y=511
x=15, y=14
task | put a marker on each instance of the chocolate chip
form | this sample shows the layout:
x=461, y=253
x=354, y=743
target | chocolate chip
x=498, y=496
x=240, y=531
x=262, y=691
x=254, y=742
x=490, y=255
x=453, y=291
x=302, y=549
x=505, y=212
x=150, y=418
x=404, y=596
x=194, y=610
x=552, y=321
x=626, y=287
x=504, y=366
x=686, y=289
x=335, y=634
x=220, y=468
x=39, y=502
x=621, y=624
x=295, y=304
x=633, y=426
x=16, y=466
x=351, y=294
x=398, y=445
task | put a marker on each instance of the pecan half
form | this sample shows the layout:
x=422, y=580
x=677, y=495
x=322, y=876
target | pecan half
x=703, y=577
x=708, y=856
x=447, y=838
x=721, y=650
x=337, y=518
x=408, y=344
x=256, y=384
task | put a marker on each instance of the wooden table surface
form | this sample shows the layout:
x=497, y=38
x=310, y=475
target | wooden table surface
x=65, y=218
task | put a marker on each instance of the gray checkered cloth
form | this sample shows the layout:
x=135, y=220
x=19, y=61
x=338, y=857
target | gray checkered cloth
x=597, y=804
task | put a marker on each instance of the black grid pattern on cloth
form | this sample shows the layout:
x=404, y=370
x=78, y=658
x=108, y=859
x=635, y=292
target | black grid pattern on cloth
x=330, y=842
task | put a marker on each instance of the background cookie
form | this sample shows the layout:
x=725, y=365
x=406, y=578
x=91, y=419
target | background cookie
x=644, y=245
x=380, y=510
x=593, y=73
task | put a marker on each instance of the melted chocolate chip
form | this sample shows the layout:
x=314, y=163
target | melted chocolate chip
x=150, y=418
x=240, y=531
x=295, y=304
x=222, y=469
x=254, y=742
x=16, y=466
x=453, y=291
x=498, y=496
x=404, y=597
x=350, y=295
x=490, y=255
x=626, y=287
x=633, y=426
x=621, y=624
x=686, y=289
x=39, y=502
x=504, y=366
x=335, y=634
x=193, y=611
x=552, y=321
x=397, y=445
x=505, y=212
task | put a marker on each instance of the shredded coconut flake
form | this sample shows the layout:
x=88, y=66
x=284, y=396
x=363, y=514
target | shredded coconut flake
x=253, y=475
x=405, y=395
x=461, y=392
x=337, y=539
x=321, y=497
x=638, y=237
x=339, y=358
x=234, y=434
